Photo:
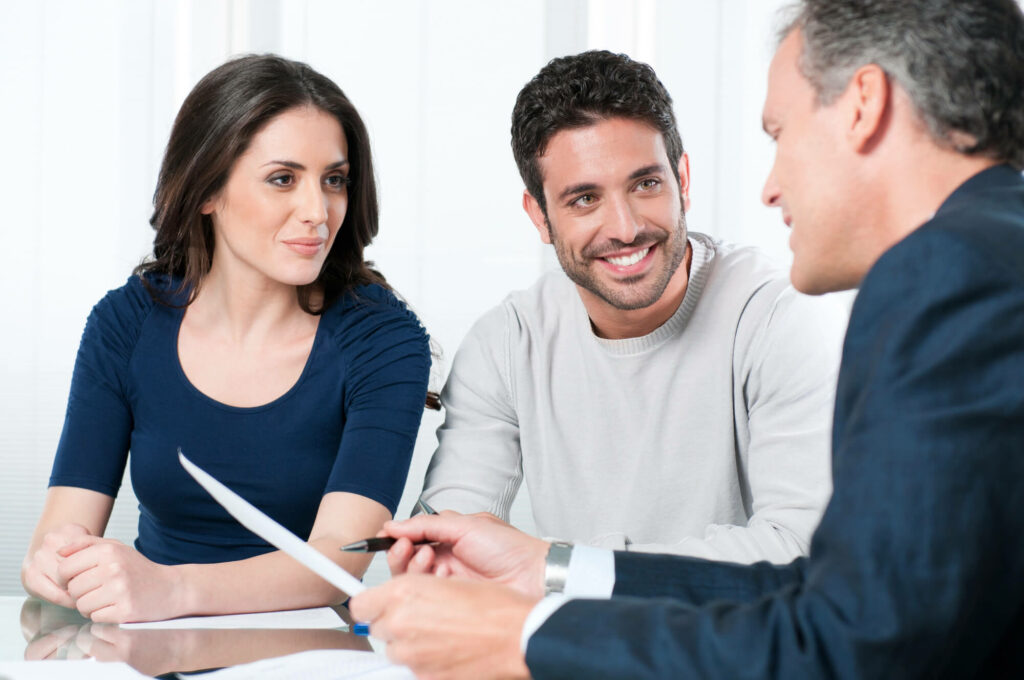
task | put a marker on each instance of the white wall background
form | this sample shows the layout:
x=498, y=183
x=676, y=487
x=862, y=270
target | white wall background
x=88, y=91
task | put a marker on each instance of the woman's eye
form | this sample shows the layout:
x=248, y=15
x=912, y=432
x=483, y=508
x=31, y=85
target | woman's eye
x=282, y=180
x=337, y=181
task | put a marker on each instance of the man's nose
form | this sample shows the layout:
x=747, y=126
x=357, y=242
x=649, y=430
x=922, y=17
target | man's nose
x=771, y=193
x=622, y=222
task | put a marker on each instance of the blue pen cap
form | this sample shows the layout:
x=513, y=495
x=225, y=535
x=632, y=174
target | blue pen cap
x=361, y=629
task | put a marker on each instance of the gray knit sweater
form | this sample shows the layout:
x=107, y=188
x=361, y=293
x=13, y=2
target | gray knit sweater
x=706, y=437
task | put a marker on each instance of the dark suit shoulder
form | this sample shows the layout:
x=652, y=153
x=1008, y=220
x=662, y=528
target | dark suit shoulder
x=981, y=223
x=976, y=245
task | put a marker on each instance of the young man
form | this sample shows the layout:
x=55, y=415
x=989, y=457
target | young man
x=665, y=391
x=900, y=140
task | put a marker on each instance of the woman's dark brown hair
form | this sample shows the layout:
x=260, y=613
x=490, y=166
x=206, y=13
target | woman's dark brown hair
x=214, y=127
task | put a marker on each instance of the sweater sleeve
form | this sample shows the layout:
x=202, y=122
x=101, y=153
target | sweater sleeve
x=787, y=349
x=478, y=463
x=94, y=442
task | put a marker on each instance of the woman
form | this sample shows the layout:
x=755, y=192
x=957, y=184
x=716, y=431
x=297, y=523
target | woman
x=256, y=339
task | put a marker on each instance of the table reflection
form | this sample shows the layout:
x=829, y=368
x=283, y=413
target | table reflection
x=54, y=632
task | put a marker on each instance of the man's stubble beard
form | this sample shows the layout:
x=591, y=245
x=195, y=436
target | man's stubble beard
x=581, y=272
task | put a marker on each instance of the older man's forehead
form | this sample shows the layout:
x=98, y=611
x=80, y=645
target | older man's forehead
x=769, y=114
x=784, y=77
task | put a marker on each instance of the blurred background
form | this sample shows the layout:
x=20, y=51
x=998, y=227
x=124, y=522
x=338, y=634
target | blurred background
x=89, y=89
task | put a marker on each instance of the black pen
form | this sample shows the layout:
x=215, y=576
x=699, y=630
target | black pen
x=378, y=544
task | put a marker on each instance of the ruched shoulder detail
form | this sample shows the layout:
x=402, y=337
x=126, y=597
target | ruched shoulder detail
x=116, y=320
x=385, y=355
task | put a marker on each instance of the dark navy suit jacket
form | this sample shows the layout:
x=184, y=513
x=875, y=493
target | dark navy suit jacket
x=917, y=568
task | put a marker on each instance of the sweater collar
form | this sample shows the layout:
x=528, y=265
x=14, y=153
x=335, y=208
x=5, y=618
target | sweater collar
x=700, y=266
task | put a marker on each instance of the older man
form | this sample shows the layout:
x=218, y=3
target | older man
x=900, y=140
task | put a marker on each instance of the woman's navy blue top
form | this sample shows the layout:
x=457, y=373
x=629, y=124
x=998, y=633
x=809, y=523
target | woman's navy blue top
x=348, y=424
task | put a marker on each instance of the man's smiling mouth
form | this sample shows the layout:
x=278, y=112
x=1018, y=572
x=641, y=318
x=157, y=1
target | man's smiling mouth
x=627, y=260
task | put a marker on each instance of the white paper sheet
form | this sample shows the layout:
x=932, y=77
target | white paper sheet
x=77, y=670
x=319, y=617
x=326, y=664
x=272, y=532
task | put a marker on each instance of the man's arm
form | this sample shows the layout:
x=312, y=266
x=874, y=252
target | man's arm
x=696, y=581
x=477, y=466
x=914, y=570
x=787, y=357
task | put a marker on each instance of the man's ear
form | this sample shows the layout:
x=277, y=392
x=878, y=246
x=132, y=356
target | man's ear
x=683, y=168
x=870, y=94
x=536, y=215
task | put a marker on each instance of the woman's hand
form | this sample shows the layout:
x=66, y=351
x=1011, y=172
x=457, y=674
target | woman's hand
x=152, y=652
x=111, y=582
x=39, y=570
x=57, y=644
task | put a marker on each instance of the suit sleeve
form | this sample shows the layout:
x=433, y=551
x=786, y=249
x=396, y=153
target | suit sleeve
x=788, y=348
x=915, y=568
x=478, y=462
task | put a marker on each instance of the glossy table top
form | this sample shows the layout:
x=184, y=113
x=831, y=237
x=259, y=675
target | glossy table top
x=34, y=630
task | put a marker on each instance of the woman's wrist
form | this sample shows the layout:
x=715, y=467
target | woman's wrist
x=186, y=595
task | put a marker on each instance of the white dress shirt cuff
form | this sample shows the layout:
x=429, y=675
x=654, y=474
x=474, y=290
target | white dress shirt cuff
x=591, y=575
x=538, y=615
x=591, y=572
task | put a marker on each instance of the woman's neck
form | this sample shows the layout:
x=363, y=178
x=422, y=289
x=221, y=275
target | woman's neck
x=248, y=307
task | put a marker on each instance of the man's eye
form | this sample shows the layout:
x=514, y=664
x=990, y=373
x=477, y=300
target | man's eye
x=584, y=201
x=649, y=184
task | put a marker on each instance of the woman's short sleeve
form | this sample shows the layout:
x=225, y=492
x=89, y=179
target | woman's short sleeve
x=387, y=356
x=97, y=429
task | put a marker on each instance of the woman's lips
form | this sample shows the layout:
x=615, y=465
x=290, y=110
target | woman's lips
x=305, y=246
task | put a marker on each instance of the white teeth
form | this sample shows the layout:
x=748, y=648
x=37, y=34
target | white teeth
x=629, y=259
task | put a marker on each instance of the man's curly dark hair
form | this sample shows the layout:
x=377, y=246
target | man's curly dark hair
x=580, y=90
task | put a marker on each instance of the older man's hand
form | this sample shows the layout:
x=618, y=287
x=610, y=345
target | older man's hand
x=473, y=547
x=445, y=629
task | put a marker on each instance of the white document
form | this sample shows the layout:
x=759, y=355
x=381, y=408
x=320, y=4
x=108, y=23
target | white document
x=272, y=532
x=84, y=669
x=319, y=617
x=323, y=664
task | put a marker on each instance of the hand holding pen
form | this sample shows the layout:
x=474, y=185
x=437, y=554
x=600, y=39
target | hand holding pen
x=381, y=543
x=477, y=547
